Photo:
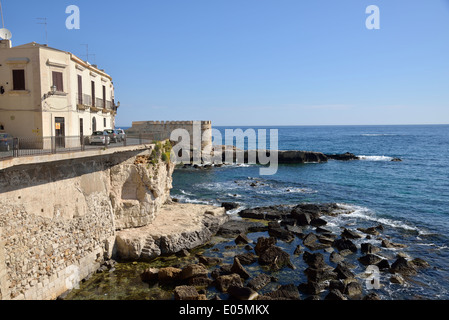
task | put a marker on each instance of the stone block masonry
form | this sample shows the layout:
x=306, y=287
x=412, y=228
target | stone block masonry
x=58, y=220
x=164, y=129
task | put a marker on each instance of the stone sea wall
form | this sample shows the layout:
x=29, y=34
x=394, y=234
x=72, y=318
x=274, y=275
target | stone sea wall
x=58, y=220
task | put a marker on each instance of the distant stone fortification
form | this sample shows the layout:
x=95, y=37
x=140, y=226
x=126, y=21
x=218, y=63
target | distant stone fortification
x=162, y=130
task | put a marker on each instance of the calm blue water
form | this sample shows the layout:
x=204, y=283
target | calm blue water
x=410, y=198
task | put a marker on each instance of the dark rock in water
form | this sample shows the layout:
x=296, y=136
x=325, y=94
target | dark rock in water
x=298, y=251
x=343, y=157
x=246, y=258
x=397, y=278
x=267, y=213
x=369, y=248
x=372, y=231
x=342, y=244
x=209, y=261
x=242, y=293
x=259, y=282
x=372, y=296
x=281, y=234
x=275, y=255
x=403, y=267
x=302, y=218
x=388, y=244
x=311, y=288
x=186, y=293
x=323, y=230
x=335, y=257
x=335, y=295
x=169, y=275
x=150, y=275
x=310, y=239
x=370, y=259
x=319, y=275
x=314, y=260
x=343, y=272
x=337, y=284
x=349, y=234
x=222, y=283
x=318, y=222
x=263, y=244
x=183, y=253
x=200, y=281
x=313, y=298
x=239, y=269
x=233, y=228
x=383, y=264
x=325, y=239
x=193, y=270
x=296, y=230
x=420, y=263
x=242, y=239
x=353, y=289
x=222, y=271
x=289, y=292
x=248, y=247
x=229, y=205
x=396, y=160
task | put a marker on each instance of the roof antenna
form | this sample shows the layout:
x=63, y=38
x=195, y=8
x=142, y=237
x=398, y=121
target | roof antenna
x=44, y=23
x=4, y=33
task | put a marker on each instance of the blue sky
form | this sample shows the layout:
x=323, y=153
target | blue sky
x=258, y=62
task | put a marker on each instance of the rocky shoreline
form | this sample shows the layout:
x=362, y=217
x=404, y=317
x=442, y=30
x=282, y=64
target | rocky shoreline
x=330, y=274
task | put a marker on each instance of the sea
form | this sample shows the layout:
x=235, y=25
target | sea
x=410, y=199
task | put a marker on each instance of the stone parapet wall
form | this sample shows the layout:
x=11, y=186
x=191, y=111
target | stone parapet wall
x=58, y=220
x=164, y=129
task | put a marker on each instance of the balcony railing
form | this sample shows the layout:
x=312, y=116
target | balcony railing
x=32, y=146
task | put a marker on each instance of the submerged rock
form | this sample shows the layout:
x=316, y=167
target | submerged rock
x=242, y=293
x=259, y=282
x=403, y=267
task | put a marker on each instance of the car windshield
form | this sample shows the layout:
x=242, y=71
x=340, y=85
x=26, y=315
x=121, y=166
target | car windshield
x=98, y=133
x=109, y=131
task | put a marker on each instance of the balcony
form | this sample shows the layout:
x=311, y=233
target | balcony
x=84, y=102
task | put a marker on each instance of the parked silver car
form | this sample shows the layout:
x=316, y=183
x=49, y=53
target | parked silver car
x=122, y=135
x=100, y=137
x=113, y=135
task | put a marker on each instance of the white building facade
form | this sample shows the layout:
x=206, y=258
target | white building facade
x=45, y=92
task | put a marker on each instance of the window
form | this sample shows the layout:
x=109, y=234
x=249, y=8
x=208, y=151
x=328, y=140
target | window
x=93, y=93
x=57, y=81
x=18, y=79
x=80, y=89
x=104, y=97
x=104, y=122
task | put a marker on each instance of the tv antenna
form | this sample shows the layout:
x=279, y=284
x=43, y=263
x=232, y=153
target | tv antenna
x=46, y=32
x=1, y=11
x=87, y=53
x=4, y=33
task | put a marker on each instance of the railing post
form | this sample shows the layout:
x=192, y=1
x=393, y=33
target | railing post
x=15, y=147
x=53, y=145
x=83, y=147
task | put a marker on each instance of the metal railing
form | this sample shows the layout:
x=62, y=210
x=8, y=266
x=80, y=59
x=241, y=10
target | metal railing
x=35, y=146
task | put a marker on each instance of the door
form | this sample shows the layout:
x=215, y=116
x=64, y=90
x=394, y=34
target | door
x=94, y=125
x=81, y=131
x=93, y=93
x=60, y=132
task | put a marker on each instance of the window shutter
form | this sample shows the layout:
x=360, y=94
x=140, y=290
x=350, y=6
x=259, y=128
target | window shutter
x=18, y=79
x=57, y=81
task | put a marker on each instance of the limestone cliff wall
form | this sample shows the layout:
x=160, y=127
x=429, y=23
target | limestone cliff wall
x=58, y=220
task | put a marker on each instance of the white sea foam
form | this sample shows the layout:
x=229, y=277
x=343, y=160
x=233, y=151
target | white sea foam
x=378, y=134
x=367, y=214
x=185, y=199
x=375, y=158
